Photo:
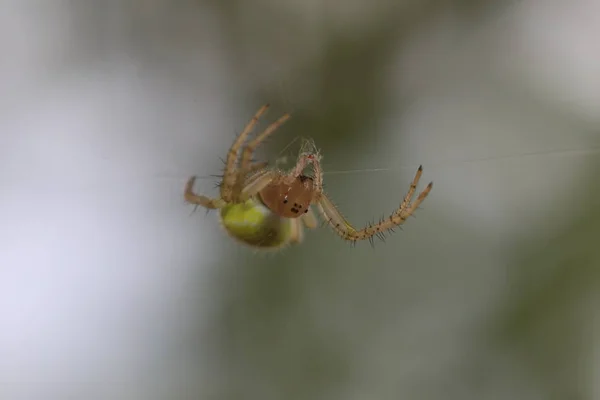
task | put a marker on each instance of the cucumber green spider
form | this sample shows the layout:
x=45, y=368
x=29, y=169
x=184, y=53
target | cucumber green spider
x=268, y=208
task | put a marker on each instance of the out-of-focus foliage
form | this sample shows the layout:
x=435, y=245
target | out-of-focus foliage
x=550, y=320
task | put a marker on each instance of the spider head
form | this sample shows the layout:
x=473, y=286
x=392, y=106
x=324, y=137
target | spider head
x=289, y=200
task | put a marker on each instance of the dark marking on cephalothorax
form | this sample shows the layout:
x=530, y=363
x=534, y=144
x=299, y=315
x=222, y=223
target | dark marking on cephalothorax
x=288, y=199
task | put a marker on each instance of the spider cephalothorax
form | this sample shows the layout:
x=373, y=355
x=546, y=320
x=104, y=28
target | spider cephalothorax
x=267, y=208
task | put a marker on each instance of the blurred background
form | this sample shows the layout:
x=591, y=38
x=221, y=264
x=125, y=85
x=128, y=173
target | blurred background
x=111, y=288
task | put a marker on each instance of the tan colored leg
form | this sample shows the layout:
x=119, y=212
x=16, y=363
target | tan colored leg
x=248, y=151
x=200, y=200
x=310, y=219
x=346, y=231
x=257, y=184
x=231, y=172
x=297, y=234
x=256, y=167
x=411, y=191
x=242, y=179
x=413, y=207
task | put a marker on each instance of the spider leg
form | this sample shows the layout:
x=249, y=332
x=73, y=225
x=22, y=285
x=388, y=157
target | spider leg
x=256, y=167
x=413, y=207
x=411, y=191
x=334, y=218
x=200, y=200
x=297, y=231
x=257, y=183
x=251, y=147
x=310, y=219
x=347, y=232
x=231, y=176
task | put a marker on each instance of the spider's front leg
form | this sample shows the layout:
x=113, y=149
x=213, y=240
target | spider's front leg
x=347, y=232
x=310, y=219
x=405, y=205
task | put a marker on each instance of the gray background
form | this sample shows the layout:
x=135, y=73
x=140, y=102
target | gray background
x=110, y=289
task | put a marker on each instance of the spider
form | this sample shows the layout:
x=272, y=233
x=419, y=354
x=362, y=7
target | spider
x=269, y=208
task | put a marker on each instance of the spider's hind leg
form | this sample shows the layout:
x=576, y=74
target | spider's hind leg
x=411, y=191
x=200, y=200
x=409, y=210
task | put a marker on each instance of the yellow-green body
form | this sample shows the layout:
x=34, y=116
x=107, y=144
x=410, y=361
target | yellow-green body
x=255, y=225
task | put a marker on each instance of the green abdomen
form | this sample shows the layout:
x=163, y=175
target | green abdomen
x=254, y=224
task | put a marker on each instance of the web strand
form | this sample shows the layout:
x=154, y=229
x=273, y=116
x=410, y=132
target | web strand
x=445, y=163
